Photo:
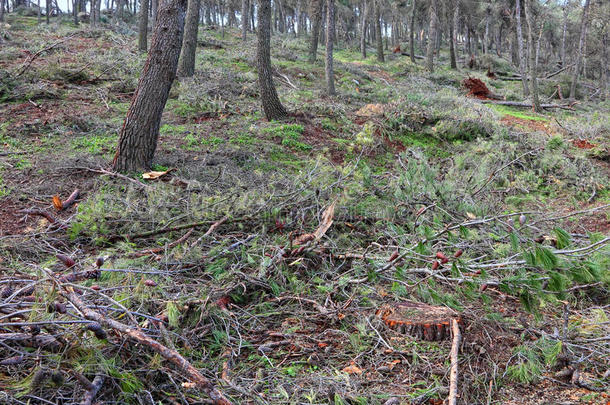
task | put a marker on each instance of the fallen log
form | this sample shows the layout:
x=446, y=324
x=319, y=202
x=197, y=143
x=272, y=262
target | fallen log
x=528, y=105
x=416, y=56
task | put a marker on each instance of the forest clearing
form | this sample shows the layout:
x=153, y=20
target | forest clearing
x=227, y=204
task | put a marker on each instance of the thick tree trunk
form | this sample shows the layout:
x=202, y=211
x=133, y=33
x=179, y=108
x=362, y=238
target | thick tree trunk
x=143, y=26
x=522, y=59
x=432, y=35
x=330, y=29
x=140, y=132
x=378, y=31
x=316, y=18
x=581, y=46
x=412, y=33
x=2, y=11
x=186, y=65
x=532, y=55
x=365, y=10
x=273, y=108
x=245, y=6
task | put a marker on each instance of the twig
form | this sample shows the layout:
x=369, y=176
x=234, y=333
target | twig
x=147, y=252
x=37, y=54
x=211, y=229
x=453, y=378
x=495, y=172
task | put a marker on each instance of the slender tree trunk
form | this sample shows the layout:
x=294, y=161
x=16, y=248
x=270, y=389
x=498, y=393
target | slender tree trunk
x=245, y=6
x=452, y=17
x=604, y=65
x=92, y=14
x=139, y=135
x=365, y=10
x=432, y=35
x=564, y=30
x=486, y=35
x=143, y=27
x=581, y=46
x=273, y=108
x=316, y=18
x=330, y=28
x=186, y=65
x=154, y=5
x=412, y=33
x=378, y=31
x=532, y=56
x=2, y=11
x=522, y=58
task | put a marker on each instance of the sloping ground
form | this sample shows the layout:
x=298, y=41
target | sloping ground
x=234, y=260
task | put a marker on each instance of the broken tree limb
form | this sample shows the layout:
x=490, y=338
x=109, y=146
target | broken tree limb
x=42, y=340
x=416, y=56
x=455, y=348
x=70, y=200
x=170, y=355
x=528, y=105
x=92, y=390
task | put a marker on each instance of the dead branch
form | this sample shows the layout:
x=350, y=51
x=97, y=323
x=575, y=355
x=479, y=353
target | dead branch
x=42, y=340
x=529, y=105
x=92, y=390
x=70, y=200
x=455, y=347
x=416, y=56
x=169, y=354
x=32, y=58
x=147, y=252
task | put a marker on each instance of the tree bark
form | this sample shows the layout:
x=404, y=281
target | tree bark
x=432, y=35
x=316, y=18
x=412, y=34
x=139, y=135
x=365, y=10
x=532, y=55
x=245, y=6
x=452, y=17
x=143, y=26
x=581, y=46
x=380, y=57
x=522, y=59
x=330, y=29
x=564, y=30
x=273, y=108
x=2, y=11
x=186, y=65
x=604, y=65
x=154, y=5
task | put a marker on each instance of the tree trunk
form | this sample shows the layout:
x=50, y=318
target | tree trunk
x=432, y=36
x=330, y=29
x=452, y=17
x=581, y=46
x=532, y=56
x=143, y=27
x=316, y=18
x=154, y=5
x=245, y=6
x=186, y=65
x=365, y=10
x=487, y=22
x=140, y=132
x=2, y=11
x=273, y=108
x=378, y=31
x=522, y=59
x=604, y=64
x=412, y=34
x=564, y=30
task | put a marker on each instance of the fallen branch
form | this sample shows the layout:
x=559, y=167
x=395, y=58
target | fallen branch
x=37, y=54
x=170, y=355
x=416, y=56
x=92, y=390
x=42, y=340
x=455, y=348
x=528, y=105
x=147, y=252
x=70, y=200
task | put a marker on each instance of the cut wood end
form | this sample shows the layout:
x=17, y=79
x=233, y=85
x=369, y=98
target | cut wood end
x=423, y=321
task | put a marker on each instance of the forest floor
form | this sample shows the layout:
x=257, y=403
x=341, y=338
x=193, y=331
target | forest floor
x=262, y=251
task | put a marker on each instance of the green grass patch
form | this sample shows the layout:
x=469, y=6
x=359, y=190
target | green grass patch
x=513, y=112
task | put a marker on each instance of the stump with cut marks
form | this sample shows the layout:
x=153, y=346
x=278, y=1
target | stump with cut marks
x=422, y=321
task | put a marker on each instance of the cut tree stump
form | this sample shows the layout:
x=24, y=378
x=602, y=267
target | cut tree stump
x=423, y=321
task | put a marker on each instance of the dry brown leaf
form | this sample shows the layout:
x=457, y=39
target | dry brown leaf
x=154, y=175
x=352, y=369
x=57, y=203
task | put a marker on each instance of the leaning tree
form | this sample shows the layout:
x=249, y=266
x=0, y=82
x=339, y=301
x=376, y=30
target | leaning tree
x=140, y=132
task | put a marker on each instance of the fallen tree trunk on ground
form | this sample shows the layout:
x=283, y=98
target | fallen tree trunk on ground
x=408, y=54
x=528, y=105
